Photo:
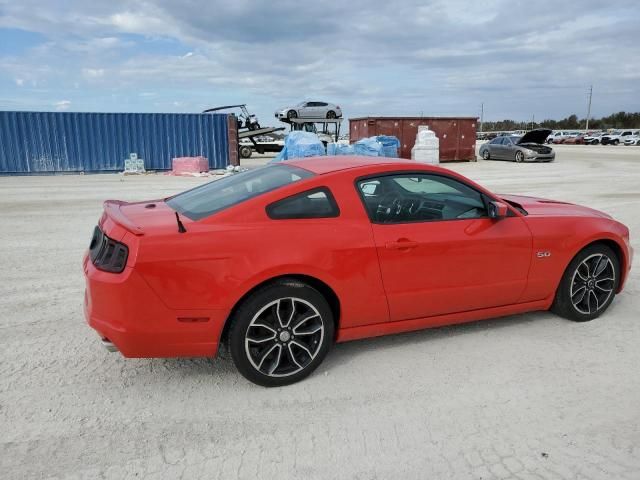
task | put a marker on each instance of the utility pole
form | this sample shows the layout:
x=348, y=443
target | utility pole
x=481, y=115
x=589, y=107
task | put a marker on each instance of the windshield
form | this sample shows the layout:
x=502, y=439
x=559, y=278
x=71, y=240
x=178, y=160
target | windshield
x=214, y=196
x=515, y=139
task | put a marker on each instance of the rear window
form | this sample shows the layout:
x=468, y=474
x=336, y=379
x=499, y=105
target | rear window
x=316, y=203
x=205, y=200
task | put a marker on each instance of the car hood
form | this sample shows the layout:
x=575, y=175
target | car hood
x=536, y=136
x=552, y=208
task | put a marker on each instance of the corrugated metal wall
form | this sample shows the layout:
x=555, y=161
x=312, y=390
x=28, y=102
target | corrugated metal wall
x=457, y=134
x=49, y=142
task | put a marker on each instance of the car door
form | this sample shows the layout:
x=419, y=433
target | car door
x=312, y=110
x=509, y=148
x=439, y=252
x=495, y=147
x=502, y=148
x=303, y=110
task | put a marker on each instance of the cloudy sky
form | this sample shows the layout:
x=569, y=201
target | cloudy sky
x=443, y=57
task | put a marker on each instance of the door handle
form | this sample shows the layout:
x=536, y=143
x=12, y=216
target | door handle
x=402, y=244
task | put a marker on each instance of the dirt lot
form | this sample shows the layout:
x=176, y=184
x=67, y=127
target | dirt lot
x=529, y=396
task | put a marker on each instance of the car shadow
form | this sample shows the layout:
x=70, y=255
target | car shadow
x=223, y=370
x=344, y=352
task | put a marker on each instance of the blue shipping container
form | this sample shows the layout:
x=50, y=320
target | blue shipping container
x=50, y=142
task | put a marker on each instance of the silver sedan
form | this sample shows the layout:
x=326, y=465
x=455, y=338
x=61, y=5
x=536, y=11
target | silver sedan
x=527, y=148
x=309, y=110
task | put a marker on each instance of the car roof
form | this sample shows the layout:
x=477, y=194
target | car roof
x=322, y=165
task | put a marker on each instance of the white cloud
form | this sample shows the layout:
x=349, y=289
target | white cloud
x=62, y=105
x=19, y=82
x=93, y=72
x=372, y=57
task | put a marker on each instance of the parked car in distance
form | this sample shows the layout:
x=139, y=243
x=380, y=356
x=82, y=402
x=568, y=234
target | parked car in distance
x=309, y=110
x=632, y=139
x=282, y=261
x=577, y=140
x=566, y=136
x=528, y=148
x=593, y=138
x=616, y=137
x=557, y=136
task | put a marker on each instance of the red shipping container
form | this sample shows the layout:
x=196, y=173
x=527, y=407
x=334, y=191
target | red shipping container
x=457, y=134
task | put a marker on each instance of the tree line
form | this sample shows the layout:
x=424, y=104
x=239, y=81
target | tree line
x=572, y=122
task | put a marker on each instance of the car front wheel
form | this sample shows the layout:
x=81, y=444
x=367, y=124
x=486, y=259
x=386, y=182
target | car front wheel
x=281, y=333
x=486, y=155
x=292, y=114
x=519, y=156
x=588, y=285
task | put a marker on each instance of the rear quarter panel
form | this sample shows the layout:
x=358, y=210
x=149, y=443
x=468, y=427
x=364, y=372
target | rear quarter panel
x=220, y=259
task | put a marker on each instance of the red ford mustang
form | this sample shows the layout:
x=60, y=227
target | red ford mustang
x=282, y=261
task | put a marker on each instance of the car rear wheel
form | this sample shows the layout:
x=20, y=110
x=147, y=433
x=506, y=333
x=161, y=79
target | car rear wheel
x=616, y=142
x=588, y=285
x=486, y=155
x=331, y=114
x=519, y=156
x=281, y=333
x=292, y=114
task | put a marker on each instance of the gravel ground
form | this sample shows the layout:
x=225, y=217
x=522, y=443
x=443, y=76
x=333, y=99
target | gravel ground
x=529, y=396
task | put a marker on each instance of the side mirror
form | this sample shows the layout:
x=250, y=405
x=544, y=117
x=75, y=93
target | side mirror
x=496, y=209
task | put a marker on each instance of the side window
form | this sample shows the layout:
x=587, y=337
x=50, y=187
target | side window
x=410, y=197
x=496, y=141
x=316, y=203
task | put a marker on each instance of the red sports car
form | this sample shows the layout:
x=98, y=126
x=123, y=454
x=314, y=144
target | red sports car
x=282, y=261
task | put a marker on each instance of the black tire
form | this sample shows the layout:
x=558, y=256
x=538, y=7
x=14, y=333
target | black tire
x=331, y=114
x=292, y=114
x=245, y=151
x=253, y=322
x=486, y=155
x=565, y=305
x=616, y=141
x=519, y=156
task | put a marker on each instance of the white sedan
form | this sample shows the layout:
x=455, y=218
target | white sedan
x=309, y=110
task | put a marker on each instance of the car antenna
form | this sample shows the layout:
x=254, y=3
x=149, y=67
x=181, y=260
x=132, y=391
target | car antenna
x=181, y=228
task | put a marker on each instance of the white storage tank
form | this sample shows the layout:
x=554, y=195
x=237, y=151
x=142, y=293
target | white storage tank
x=427, y=147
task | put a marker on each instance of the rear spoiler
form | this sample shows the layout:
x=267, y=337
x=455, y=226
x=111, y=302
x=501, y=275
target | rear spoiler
x=113, y=211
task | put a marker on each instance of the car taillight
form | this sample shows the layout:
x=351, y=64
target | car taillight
x=107, y=254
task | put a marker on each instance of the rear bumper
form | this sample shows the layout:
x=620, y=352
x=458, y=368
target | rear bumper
x=131, y=318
